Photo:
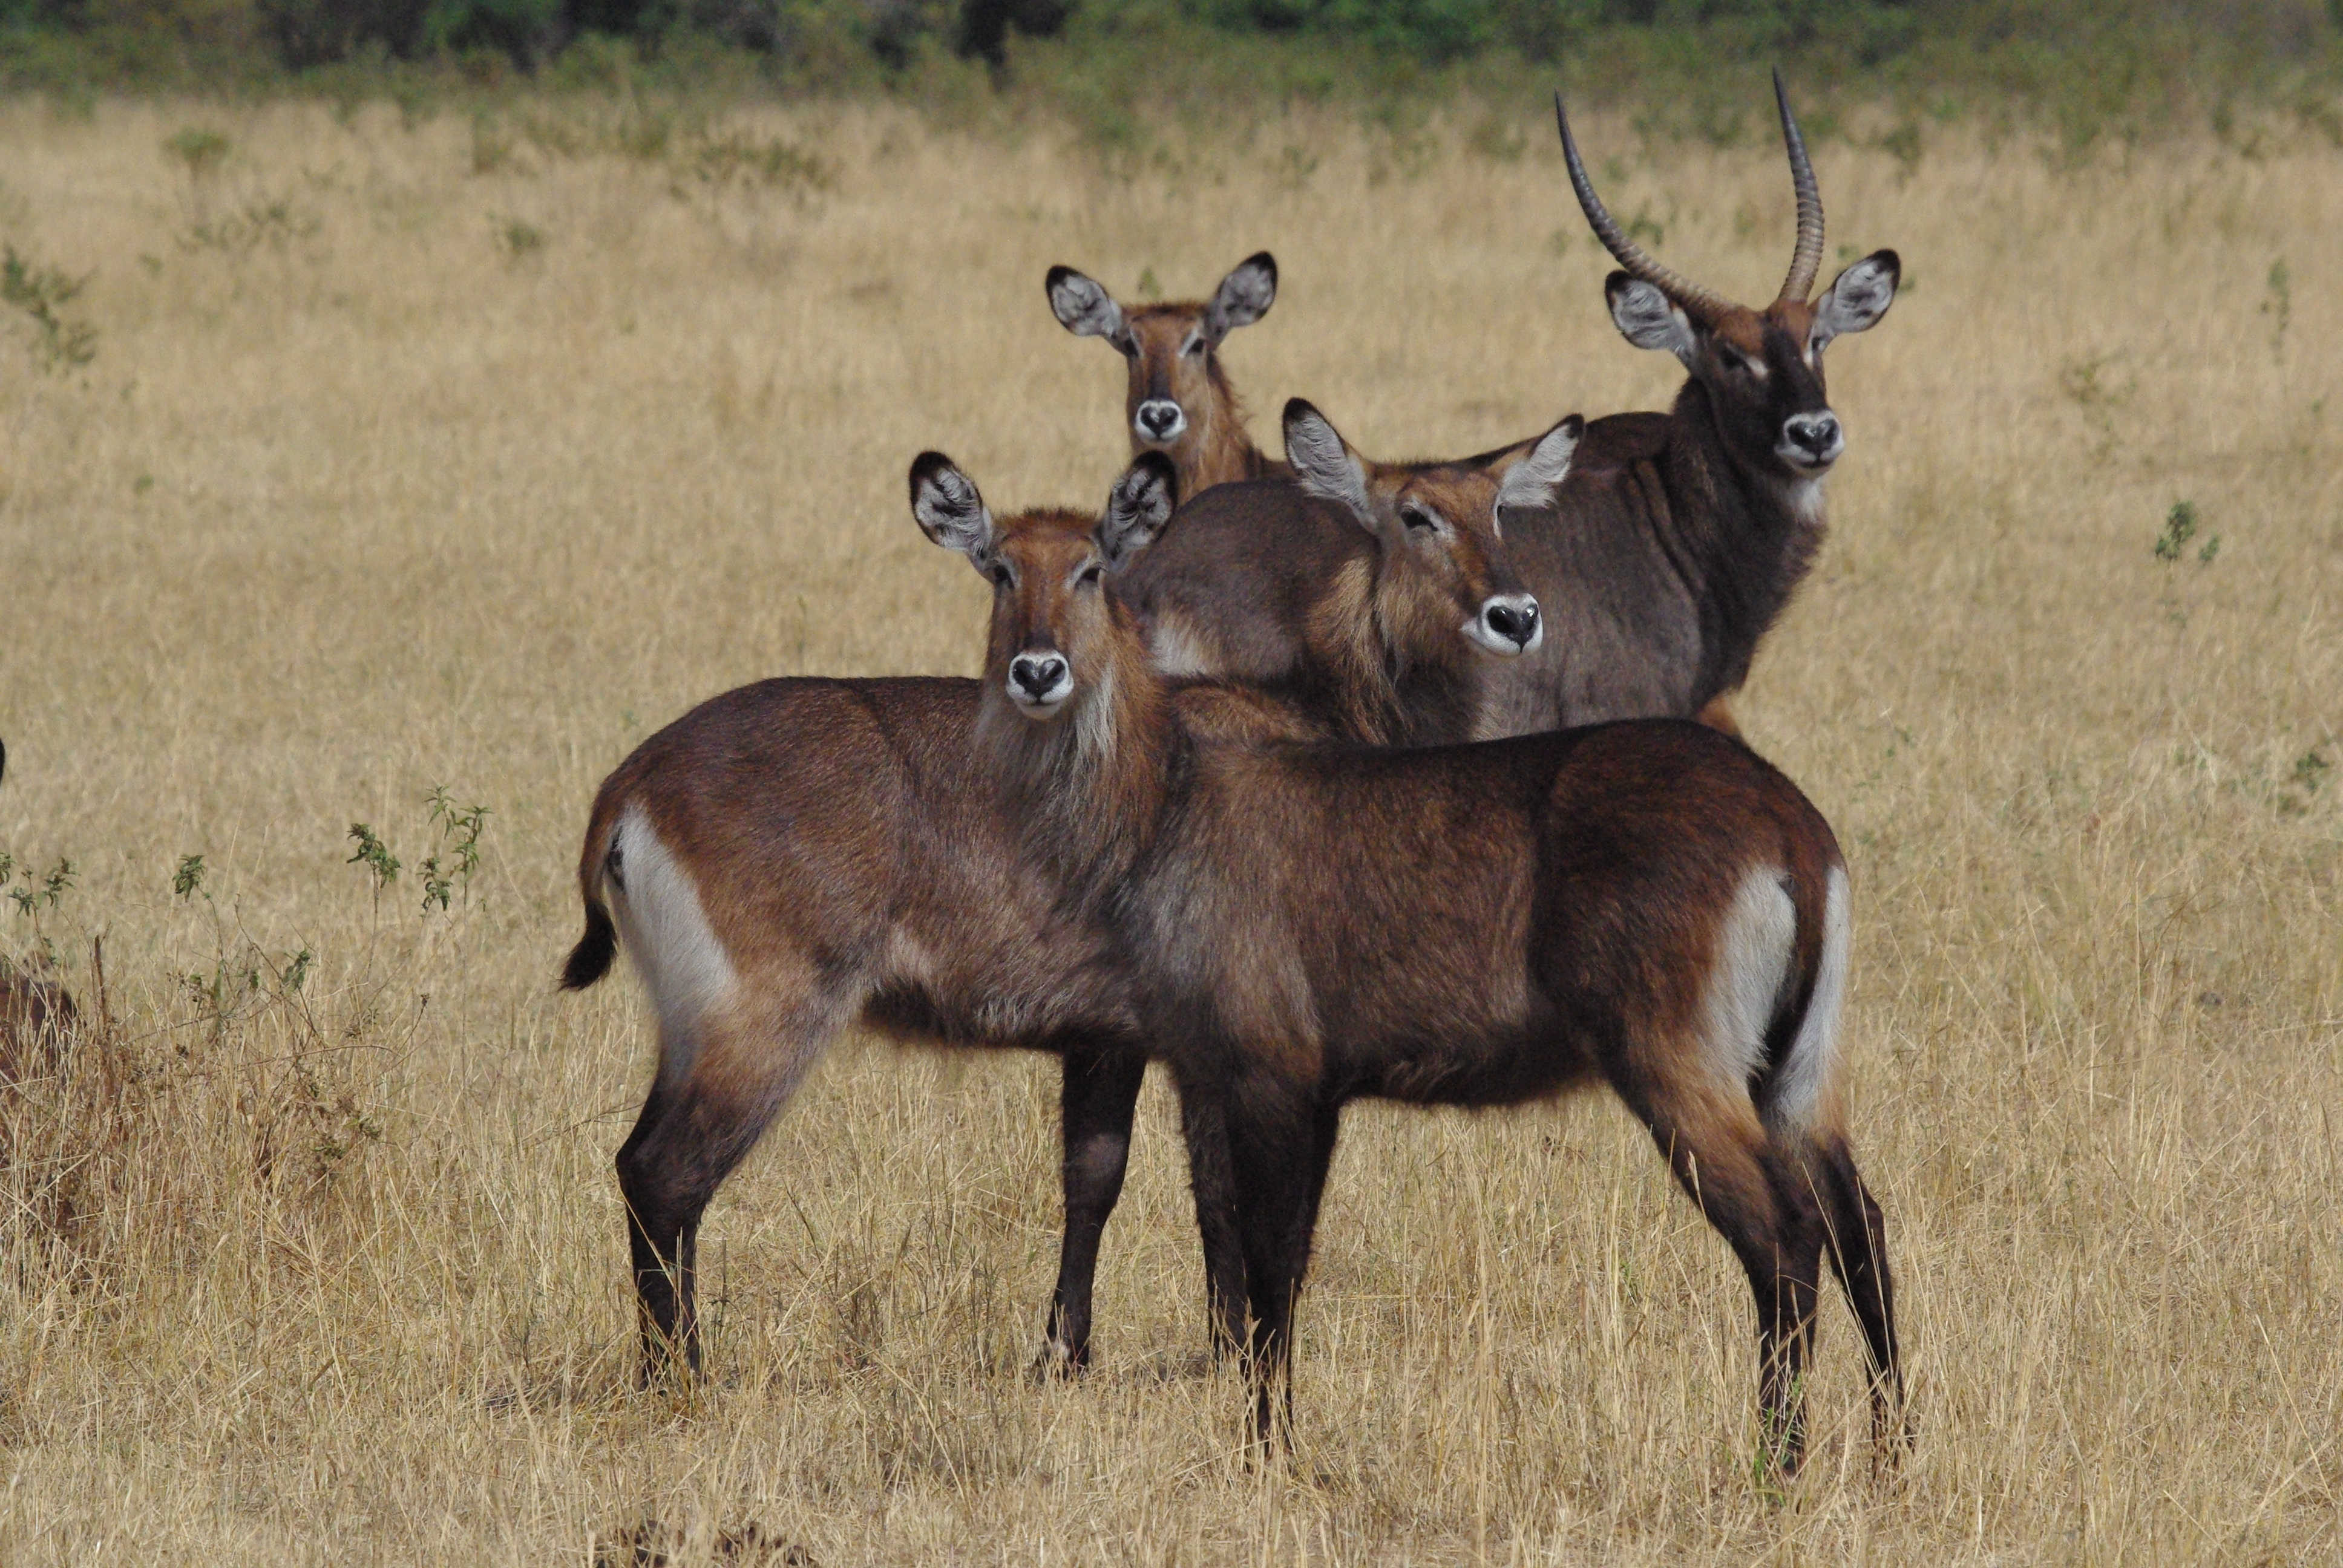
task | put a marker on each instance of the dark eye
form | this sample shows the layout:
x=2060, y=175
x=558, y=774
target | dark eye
x=1091, y=575
x=1001, y=576
x=1731, y=359
x=1417, y=518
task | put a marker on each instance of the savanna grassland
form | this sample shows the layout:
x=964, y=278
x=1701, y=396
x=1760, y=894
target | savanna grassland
x=375, y=459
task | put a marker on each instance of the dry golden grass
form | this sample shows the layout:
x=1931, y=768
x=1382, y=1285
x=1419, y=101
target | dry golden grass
x=372, y=495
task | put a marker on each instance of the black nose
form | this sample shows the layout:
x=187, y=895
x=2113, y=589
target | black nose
x=1514, y=623
x=1037, y=673
x=1814, y=432
x=1158, y=417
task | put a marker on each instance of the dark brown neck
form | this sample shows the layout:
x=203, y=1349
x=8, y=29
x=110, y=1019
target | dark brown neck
x=1745, y=535
x=1085, y=792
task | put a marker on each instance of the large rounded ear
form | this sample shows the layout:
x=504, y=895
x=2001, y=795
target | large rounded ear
x=1535, y=480
x=1858, y=297
x=1137, y=508
x=1647, y=317
x=1082, y=308
x=949, y=510
x=1323, y=463
x=1244, y=298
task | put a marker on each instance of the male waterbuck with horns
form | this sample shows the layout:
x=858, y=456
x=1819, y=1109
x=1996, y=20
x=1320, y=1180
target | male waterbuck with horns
x=1647, y=905
x=1179, y=401
x=797, y=856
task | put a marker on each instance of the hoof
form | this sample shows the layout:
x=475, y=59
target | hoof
x=1056, y=1363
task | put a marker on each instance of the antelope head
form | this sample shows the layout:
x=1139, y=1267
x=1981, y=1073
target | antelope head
x=1438, y=527
x=1054, y=633
x=1763, y=369
x=1177, y=391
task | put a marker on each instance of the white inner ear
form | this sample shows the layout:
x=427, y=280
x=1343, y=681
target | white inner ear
x=1533, y=481
x=1135, y=514
x=1243, y=298
x=1648, y=319
x=1858, y=297
x=1324, y=466
x=949, y=511
x=1084, y=309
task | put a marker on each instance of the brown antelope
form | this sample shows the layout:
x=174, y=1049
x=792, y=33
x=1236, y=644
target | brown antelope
x=797, y=856
x=1271, y=580
x=1180, y=402
x=1648, y=905
x=1673, y=545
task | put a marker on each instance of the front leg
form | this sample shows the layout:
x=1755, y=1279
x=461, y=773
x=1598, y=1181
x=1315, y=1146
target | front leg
x=1098, y=1096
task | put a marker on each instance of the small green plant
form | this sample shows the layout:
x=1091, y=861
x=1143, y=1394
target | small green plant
x=2179, y=528
x=201, y=149
x=449, y=868
x=775, y=162
x=188, y=880
x=2278, y=306
x=264, y=219
x=373, y=855
x=42, y=892
x=518, y=238
x=61, y=345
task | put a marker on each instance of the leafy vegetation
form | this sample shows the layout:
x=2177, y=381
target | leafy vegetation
x=2087, y=66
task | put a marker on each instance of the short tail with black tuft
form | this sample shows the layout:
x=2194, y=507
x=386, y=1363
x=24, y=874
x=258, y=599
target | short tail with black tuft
x=590, y=960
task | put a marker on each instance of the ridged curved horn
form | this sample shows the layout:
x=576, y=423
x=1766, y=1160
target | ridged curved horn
x=1807, y=259
x=1695, y=301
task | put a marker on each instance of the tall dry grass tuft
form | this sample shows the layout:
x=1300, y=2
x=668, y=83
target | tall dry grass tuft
x=365, y=458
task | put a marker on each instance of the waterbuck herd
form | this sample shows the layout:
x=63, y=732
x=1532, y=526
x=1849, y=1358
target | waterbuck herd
x=1310, y=781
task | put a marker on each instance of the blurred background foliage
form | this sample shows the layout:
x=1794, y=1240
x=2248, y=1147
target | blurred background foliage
x=2086, y=67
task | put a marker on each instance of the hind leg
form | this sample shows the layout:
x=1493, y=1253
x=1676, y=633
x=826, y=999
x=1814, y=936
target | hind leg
x=1720, y=1155
x=1096, y=1103
x=693, y=1131
x=1858, y=1255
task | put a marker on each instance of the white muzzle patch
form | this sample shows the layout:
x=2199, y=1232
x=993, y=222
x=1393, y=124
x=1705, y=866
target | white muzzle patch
x=1040, y=683
x=1508, y=626
x=1160, y=421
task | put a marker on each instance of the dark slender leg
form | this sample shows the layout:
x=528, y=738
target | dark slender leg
x=1758, y=1203
x=1858, y=1256
x=1203, y=1121
x=1096, y=1104
x=1281, y=1166
x=684, y=1145
x=1787, y=1285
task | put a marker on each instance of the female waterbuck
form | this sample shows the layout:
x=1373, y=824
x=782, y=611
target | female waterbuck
x=797, y=856
x=1180, y=402
x=1298, y=582
x=1647, y=905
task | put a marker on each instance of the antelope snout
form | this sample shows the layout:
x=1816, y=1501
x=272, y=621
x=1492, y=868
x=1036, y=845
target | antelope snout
x=1160, y=419
x=1037, y=682
x=1811, y=440
x=1508, y=625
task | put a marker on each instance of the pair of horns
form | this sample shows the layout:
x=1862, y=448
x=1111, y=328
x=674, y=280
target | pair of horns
x=1696, y=301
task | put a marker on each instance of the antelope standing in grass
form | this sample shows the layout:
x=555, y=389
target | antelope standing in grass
x=1647, y=905
x=798, y=855
x=1673, y=545
x=1180, y=402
